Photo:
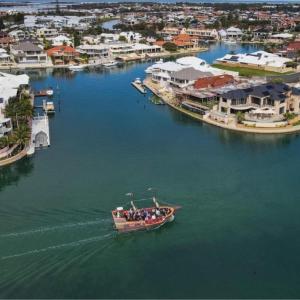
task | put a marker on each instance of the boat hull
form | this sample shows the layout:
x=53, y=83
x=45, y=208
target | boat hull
x=122, y=225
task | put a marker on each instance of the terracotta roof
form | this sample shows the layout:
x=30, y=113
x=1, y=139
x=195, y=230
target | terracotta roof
x=159, y=43
x=213, y=81
x=183, y=38
x=293, y=46
x=61, y=50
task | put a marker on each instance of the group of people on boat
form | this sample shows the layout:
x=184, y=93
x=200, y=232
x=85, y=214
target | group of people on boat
x=143, y=214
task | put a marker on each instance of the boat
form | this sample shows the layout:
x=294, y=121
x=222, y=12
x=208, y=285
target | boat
x=44, y=93
x=138, y=84
x=48, y=107
x=148, y=218
x=76, y=67
x=230, y=42
x=110, y=64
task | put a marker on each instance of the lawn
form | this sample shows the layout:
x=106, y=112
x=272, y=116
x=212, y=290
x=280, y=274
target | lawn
x=247, y=71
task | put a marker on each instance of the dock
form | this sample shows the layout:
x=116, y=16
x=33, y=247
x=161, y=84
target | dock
x=40, y=136
x=139, y=86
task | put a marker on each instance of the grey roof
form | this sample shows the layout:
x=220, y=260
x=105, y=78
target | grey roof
x=189, y=74
x=26, y=46
x=275, y=91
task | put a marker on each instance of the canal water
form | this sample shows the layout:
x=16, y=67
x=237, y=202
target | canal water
x=237, y=234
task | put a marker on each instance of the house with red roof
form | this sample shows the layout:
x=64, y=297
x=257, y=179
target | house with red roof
x=213, y=81
x=62, y=55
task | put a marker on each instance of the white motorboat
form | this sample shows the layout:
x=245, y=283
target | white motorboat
x=110, y=64
x=77, y=67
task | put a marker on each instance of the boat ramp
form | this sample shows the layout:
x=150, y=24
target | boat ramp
x=40, y=136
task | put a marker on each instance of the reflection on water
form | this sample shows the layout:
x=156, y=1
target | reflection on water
x=13, y=173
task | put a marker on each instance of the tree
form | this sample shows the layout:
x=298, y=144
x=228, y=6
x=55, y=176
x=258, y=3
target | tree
x=76, y=38
x=4, y=142
x=160, y=26
x=21, y=135
x=240, y=116
x=2, y=26
x=187, y=23
x=169, y=46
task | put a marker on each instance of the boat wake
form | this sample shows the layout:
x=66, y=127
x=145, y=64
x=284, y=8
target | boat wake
x=59, y=246
x=54, y=228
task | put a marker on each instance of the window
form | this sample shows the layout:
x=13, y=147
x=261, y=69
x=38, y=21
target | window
x=281, y=110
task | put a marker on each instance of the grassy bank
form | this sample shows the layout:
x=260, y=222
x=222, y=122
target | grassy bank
x=247, y=71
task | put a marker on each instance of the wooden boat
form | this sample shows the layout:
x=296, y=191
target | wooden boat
x=44, y=93
x=142, y=219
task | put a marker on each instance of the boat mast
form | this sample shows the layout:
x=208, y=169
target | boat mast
x=131, y=202
x=154, y=196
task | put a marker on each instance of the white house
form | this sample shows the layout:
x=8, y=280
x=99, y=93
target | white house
x=94, y=51
x=9, y=87
x=259, y=59
x=131, y=37
x=4, y=57
x=46, y=33
x=28, y=53
x=61, y=40
x=18, y=35
x=234, y=33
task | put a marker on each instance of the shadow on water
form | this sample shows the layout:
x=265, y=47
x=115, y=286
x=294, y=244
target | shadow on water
x=231, y=137
x=11, y=174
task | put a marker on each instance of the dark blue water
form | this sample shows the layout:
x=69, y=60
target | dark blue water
x=237, y=234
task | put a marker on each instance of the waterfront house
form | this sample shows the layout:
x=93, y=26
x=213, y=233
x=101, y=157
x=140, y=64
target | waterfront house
x=94, y=52
x=28, y=53
x=267, y=102
x=62, y=55
x=213, y=81
x=184, y=41
x=161, y=71
x=234, y=33
x=201, y=33
x=256, y=60
x=10, y=86
x=186, y=77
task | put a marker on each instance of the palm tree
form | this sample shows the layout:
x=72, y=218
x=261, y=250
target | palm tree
x=21, y=135
x=3, y=142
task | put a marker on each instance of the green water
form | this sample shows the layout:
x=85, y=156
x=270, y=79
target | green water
x=237, y=234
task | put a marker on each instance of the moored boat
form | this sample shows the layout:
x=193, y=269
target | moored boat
x=138, y=84
x=135, y=219
x=77, y=67
x=44, y=93
x=110, y=64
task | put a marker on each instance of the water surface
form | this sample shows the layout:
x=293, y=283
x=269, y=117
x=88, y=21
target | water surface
x=237, y=234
